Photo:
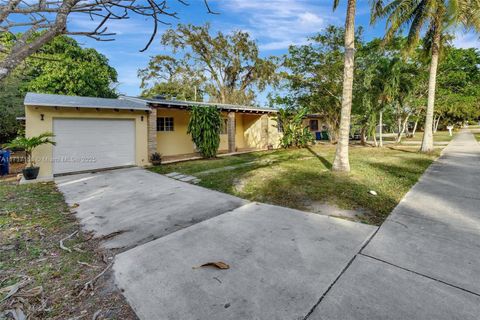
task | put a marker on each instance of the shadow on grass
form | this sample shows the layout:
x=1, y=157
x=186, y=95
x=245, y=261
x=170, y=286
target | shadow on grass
x=325, y=162
x=300, y=187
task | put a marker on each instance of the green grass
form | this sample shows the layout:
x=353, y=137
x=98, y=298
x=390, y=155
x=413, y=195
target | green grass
x=439, y=136
x=33, y=219
x=299, y=177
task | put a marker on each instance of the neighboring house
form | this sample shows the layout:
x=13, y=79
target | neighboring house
x=318, y=129
x=97, y=133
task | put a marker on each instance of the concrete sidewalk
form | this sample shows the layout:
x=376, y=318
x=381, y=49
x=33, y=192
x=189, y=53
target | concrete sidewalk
x=281, y=262
x=424, y=262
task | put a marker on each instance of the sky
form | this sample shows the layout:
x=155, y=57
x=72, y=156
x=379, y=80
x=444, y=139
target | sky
x=274, y=24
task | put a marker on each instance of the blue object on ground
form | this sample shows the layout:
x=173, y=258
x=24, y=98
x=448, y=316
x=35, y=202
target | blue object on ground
x=4, y=162
x=318, y=135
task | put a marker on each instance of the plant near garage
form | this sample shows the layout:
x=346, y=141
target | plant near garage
x=205, y=126
x=29, y=144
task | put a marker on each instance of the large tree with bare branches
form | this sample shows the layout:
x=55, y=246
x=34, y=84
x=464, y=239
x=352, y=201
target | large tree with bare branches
x=41, y=21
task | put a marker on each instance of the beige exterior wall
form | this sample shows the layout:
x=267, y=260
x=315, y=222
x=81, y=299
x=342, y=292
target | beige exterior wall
x=274, y=135
x=43, y=154
x=248, y=133
x=176, y=142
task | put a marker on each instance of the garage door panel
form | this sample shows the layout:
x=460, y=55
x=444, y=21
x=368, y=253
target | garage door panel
x=88, y=144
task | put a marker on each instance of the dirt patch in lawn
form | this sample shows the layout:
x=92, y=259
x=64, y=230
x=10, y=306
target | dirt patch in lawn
x=49, y=269
x=333, y=210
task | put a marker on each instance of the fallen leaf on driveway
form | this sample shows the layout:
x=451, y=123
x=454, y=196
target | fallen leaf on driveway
x=218, y=265
x=75, y=205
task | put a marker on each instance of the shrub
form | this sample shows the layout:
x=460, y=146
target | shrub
x=29, y=144
x=295, y=134
x=205, y=126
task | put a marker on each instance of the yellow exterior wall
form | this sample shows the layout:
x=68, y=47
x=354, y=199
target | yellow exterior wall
x=176, y=142
x=247, y=133
x=273, y=135
x=43, y=154
x=252, y=127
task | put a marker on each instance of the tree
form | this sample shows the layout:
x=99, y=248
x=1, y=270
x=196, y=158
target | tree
x=436, y=15
x=171, y=80
x=458, y=86
x=312, y=76
x=63, y=67
x=11, y=107
x=226, y=67
x=205, y=126
x=29, y=144
x=341, y=161
x=53, y=18
x=59, y=67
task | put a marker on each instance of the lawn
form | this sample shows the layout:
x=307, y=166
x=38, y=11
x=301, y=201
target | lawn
x=439, y=136
x=301, y=178
x=33, y=220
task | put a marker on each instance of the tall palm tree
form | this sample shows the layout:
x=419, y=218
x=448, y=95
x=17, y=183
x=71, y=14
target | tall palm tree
x=341, y=162
x=437, y=16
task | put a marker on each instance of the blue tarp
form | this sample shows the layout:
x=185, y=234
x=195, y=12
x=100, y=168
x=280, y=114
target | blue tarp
x=4, y=162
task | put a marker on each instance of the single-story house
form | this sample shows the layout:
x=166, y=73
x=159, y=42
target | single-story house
x=97, y=133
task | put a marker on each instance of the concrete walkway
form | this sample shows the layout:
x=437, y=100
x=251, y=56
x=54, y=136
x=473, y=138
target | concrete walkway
x=424, y=262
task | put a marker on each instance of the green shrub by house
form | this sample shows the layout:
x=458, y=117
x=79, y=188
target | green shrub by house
x=204, y=126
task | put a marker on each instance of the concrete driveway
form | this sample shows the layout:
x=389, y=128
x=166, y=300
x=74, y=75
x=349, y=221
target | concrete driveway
x=129, y=207
x=282, y=261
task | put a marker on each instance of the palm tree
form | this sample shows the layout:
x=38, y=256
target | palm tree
x=29, y=144
x=436, y=15
x=341, y=162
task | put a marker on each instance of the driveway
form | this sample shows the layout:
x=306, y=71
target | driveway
x=281, y=261
x=129, y=207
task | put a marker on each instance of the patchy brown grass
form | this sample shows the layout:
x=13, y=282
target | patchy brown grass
x=298, y=178
x=33, y=220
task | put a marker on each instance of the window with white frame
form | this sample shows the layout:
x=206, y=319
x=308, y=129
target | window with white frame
x=165, y=124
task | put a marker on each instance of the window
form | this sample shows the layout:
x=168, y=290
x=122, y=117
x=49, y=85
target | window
x=313, y=125
x=165, y=124
x=224, y=126
x=279, y=126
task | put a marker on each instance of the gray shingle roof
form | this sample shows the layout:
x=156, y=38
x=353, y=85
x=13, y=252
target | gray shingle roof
x=56, y=100
x=221, y=106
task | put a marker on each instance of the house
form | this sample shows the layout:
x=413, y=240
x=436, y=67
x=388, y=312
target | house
x=97, y=133
x=317, y=127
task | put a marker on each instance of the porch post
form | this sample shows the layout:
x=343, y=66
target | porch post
x=231, y=132
x=264, y=131
x=152, y=132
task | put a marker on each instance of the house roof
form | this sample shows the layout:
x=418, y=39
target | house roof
x=129, y=103
x=56, y=100
x=185, y=104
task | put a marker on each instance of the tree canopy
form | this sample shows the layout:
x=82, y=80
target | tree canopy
x=60, y=67
x=227, y=68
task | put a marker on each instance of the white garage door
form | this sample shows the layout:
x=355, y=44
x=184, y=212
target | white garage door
x=88, y=144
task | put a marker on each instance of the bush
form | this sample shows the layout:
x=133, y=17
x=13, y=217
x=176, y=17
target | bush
x=205, y=126
x=295, y=134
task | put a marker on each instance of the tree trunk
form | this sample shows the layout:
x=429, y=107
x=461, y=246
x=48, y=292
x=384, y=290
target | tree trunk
x=427, y=142
x=363, y=138
x=435, y=128
x=23, y=48
x=404, y=127
x=380, y=121
x=375, y=142
x=341, y=162
x=414, y=128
